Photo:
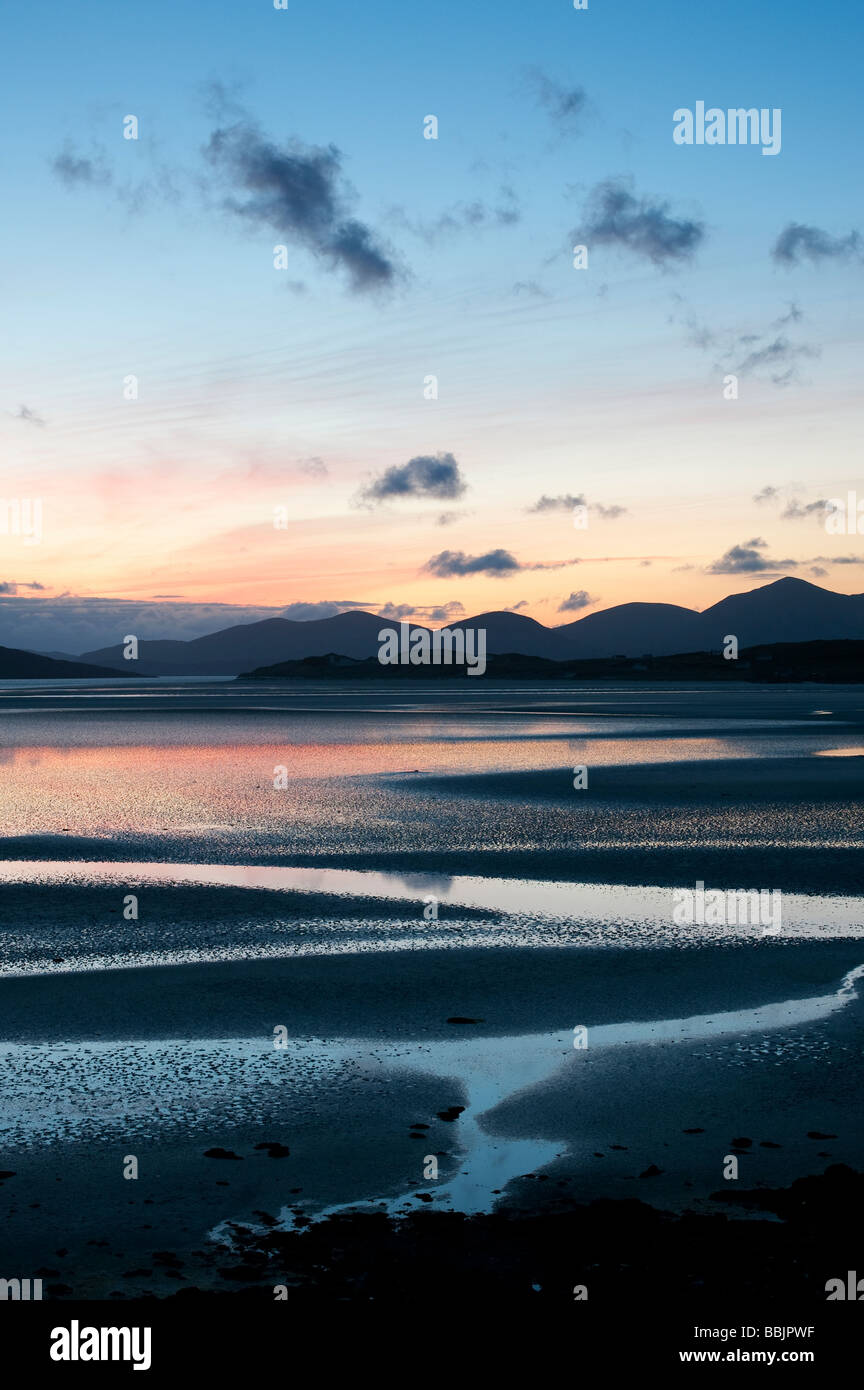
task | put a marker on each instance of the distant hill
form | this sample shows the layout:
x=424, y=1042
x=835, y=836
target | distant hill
x=629, y=629
x=234, y=649
x=20, y=665
x=823, y=662
x=788, y=610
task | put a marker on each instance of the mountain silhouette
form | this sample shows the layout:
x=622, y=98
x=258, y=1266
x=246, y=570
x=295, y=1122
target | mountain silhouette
x=787, y=610
x=632, y=629
x=20, y=665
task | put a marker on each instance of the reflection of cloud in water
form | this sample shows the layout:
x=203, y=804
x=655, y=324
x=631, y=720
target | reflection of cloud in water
x=426, y=883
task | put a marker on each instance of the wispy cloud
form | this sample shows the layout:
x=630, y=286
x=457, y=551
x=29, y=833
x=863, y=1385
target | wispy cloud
x=566, y=502
x=566, y=105
x=779, y=357
x=474, y=216
x=796, y=511
x=748, y=558
x=29, y=416
x=748, y=352
x=75, y=170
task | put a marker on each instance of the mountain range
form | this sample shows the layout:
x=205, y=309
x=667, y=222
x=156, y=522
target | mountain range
x=787, y=610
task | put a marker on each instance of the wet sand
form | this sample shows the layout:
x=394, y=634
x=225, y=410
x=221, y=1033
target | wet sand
x=371, y=1057
x=428, y=1064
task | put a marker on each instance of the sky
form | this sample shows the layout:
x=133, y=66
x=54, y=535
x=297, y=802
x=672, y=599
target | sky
x=420, y=405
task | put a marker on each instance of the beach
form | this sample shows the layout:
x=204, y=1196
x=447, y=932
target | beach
x=425, y=945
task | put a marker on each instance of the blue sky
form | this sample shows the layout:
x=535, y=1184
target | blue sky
x=604, y=383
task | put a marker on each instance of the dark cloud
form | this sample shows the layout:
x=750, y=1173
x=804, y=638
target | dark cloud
x=496, y=563
x=427, y=475
x=767, y=494
x=797, y=243
x=577, y=600
x=14, y=586
x=517, y=607
x=299, y=191
x=67, y=622
x=323, y=608
x=839, y=559
x=441, y=612
x=444, y=612
x=747, y=558
x=396, y=611
x=614, y=216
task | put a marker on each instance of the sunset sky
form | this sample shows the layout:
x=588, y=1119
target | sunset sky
x=267, y=394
